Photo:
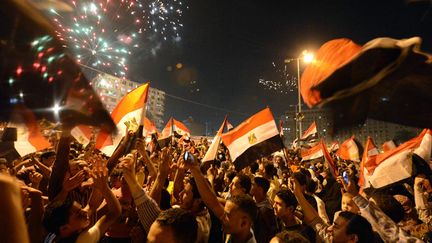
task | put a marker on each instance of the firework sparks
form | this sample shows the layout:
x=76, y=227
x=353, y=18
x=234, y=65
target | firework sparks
x=283, y=82
x=104, y=33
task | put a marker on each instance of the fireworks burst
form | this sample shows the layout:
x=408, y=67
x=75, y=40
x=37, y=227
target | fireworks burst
x=103, y=33
x=283, y=82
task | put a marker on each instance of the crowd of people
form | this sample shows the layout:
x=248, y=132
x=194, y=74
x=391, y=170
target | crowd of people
x=145, y=193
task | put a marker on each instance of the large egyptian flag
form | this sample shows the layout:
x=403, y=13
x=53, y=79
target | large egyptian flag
x=254, y=138
x=368, y=162
x=396, y=165
x=127, y=115
x=385, y=79
x=349, y=150
x=213, y=149
x=29, y=136
x=320, y=151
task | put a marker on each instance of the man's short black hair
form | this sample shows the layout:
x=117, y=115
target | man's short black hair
x=262, y=182
x=287, y=197
x=245, y=182
x=291, y=237
x=269, y=169
x=359, y=226
x=182, y=223
x=56, y=215
x=246, y=204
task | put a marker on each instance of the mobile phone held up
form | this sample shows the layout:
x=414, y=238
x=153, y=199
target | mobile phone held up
x=345, y=177
x=188, y=157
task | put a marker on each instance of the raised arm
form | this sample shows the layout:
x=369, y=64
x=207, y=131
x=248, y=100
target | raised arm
x=147, y=208
x=206, y=192
x=100, y=176
x=162, y=174
x=61, y=164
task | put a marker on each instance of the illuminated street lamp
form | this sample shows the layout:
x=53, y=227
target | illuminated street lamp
x=307, y=57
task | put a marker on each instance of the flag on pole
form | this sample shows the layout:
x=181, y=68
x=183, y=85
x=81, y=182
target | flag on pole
x=396, y=165
x=320, y=151
x=82, y=134
x=334, y=146
x=149, y=127
x=311, y=133
x=349, y=150
x=29, y=137
x=229, y=126
x=172, y=129
x=213, y=149
x=254, y=138
x=368, y=162
x=127, y=114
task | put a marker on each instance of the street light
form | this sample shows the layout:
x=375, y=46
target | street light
x=307, y=57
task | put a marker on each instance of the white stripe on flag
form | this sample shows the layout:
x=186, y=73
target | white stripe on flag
x=254, y=136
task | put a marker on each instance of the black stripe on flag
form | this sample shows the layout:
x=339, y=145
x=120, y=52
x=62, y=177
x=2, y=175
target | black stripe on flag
x=258, y=151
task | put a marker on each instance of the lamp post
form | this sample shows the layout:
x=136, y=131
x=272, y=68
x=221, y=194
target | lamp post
x=307, y=57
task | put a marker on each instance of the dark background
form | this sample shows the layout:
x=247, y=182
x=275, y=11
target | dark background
x=227, y=45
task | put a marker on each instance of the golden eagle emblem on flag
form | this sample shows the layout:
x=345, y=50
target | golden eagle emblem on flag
x=252, y=138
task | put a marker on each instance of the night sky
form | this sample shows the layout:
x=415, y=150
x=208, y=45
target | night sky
x=227, y=45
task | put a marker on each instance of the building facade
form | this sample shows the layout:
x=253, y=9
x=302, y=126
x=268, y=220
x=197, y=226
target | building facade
x=379, y=131
x=112, y=89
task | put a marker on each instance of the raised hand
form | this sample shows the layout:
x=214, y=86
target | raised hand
x=164, y=162
x=128, y=164
x=100, y=174
x=72, y=183
x=35, y=179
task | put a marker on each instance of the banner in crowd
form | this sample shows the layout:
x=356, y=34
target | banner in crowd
x=396, y=165
x=368, y=162
x=213, y=149
x=349, y=150
x=320, y=151
x=388, y=145
x=127, y=115
x=29, y=137
x=254, y=138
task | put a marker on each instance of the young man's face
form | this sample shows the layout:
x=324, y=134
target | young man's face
x=338, y=231
x=186, y=196
x=280, y=208
x=78, y=218
x=160, y=234
x=232, y=219
x=236, y=188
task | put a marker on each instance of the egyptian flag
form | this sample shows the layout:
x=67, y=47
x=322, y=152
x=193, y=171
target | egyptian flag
x=396, y=165
x=172, y=129
x=368, y=162
x=149, y=127
x=320, y=151
x=385, y=79
x=229, y=126
x=311, y=133
x=349, y=150
x=334, y=146
x=213, y=149
x=29, y=136
x=127, y=115
x=388, y=145
x=82, y=134
x=254, y=138
x=281, y=133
